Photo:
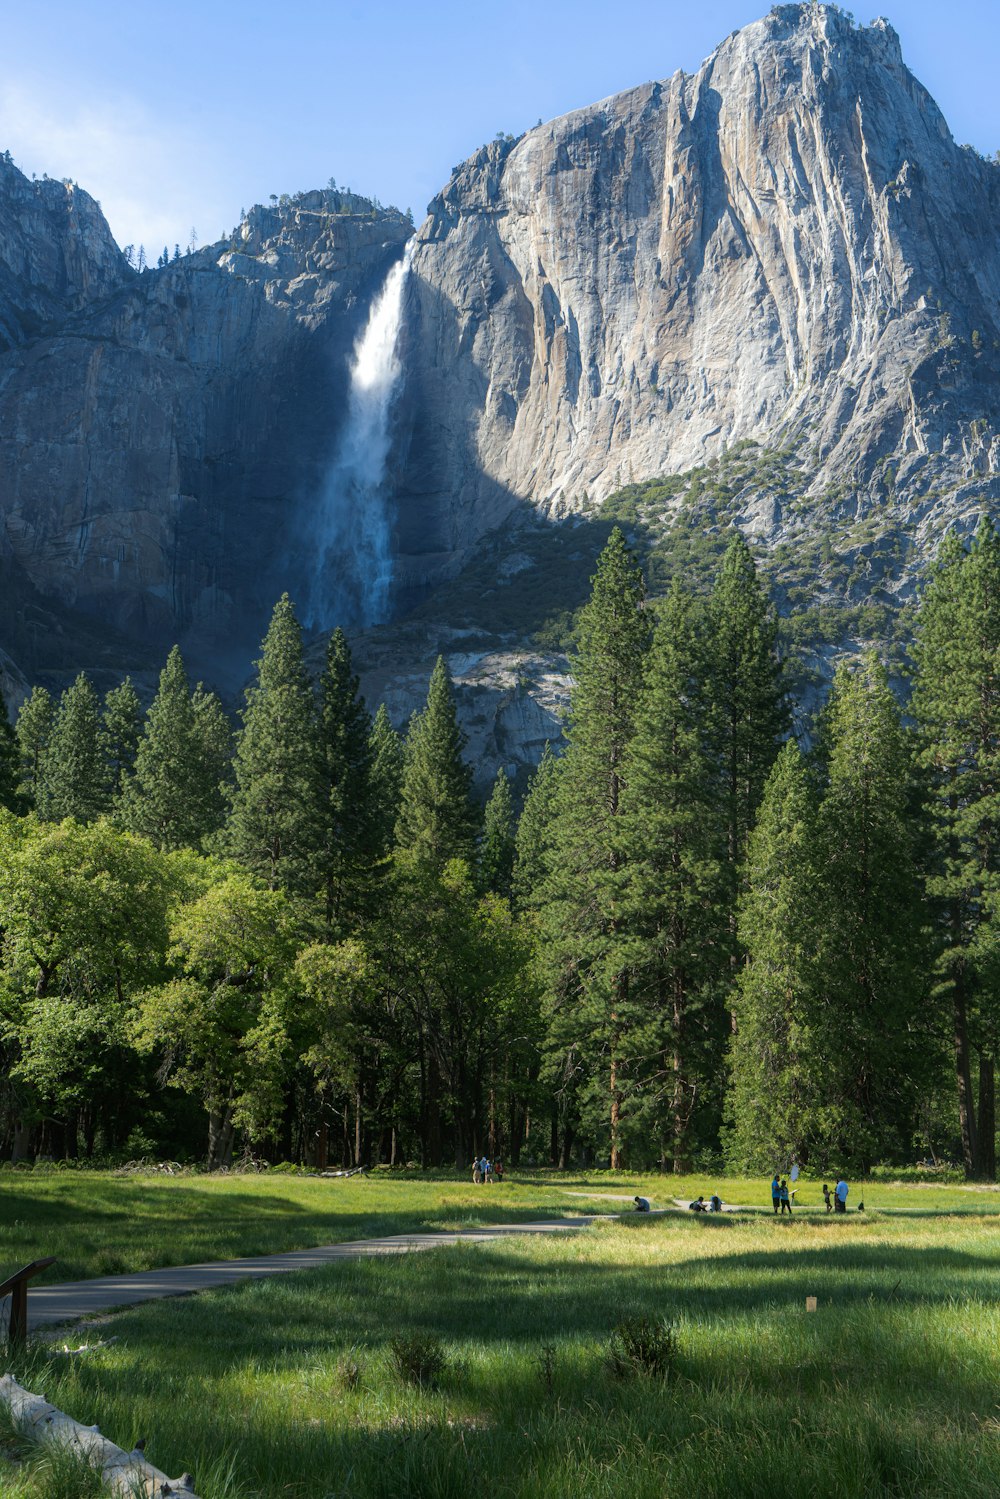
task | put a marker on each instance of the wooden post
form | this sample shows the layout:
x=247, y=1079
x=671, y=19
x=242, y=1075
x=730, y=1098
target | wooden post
x=16, y=1287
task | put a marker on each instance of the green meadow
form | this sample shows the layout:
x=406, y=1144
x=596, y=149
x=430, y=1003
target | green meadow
x=293, y=1387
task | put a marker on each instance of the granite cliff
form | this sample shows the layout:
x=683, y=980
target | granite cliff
x=787, y=246
x=785, y=254
x=158, y=430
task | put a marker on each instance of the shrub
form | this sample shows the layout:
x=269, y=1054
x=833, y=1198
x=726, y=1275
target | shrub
x=419, y=1359
x=350, y=1372
x=642, y=1345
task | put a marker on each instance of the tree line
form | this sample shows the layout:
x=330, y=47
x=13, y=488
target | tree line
x=703, y=937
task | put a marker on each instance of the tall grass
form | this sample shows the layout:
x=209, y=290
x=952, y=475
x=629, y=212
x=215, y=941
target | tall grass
x=889, y=1388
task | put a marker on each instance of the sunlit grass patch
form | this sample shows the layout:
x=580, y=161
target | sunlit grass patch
x=888, y=1388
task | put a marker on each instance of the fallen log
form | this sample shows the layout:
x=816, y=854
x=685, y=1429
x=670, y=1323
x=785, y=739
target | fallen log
x=125, y=1473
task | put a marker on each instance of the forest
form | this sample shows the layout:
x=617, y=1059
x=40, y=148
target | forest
x=716, y=932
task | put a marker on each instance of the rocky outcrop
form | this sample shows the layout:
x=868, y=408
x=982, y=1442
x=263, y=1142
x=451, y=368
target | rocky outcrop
x=57, y=254
x=787, y=246
x=157, y=442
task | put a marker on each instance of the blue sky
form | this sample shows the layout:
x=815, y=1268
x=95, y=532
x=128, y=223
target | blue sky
x=176, y=115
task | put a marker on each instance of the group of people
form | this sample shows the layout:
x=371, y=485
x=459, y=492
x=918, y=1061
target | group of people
x=782, y=1196
x=485, y=1170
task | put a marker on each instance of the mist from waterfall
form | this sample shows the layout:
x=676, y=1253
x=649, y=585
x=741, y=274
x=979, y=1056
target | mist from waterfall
x=350, y=577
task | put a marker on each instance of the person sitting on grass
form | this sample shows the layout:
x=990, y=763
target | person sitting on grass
x=786, y=1201
x=641, y=1205
x=699, y=1206
x=715, y=1203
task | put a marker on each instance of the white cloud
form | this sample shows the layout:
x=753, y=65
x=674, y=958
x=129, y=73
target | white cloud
x=115, y=151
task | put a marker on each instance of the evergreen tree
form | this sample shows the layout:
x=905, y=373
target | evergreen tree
x=10, y=762
x=775, y=1066
x=675, y=909
x=213, y=740
x=74, y=780
x=273, y=822
x=870, y=950
x=436, y=819
x=751, y=713
x=347, y=854
x=33, y=732
x=122, y=730
x=172, y=795
x=385, y=781
x=496, y=852
x=589, y=977
x=533, y=837
x=956, y=703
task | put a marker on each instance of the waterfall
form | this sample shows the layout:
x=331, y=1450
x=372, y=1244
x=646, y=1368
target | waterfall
x=350, y=574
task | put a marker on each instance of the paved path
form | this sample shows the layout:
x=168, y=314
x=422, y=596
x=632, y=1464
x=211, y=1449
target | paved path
x=73, y=1300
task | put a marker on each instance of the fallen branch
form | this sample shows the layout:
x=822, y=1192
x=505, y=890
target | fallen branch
x=125, y=1473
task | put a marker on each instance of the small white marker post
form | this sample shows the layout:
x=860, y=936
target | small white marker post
x=810, y=1303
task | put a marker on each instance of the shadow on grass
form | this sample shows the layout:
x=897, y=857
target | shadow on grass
x=106, y=1228
x=247, y=1369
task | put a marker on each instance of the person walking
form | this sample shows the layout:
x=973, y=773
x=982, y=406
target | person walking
x=840, y=1196
x=827, y=1198
x=776, y=1194
x=785, y=1198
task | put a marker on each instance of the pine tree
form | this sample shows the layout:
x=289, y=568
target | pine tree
x=385, y=781
x=534, y=834
x=674, y=895
x=583, y=927
x=10, y=762
x=436, y=818
x=33, y=732
x=956, y=703
x=496, y=852
x=122, y=730
x=274, y=805
x=171, y=796
x=74, y=778
x=347, y=855
x=869, y=943
x=213, y=739
x=751, y=712
x=776, y=1070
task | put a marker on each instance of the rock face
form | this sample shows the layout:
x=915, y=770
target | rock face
x=787, y=246
x=56, y=254
x=159, y=432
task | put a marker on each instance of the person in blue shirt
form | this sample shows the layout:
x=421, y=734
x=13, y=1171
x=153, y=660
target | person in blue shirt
x=840, y=1196
x=776, y=1194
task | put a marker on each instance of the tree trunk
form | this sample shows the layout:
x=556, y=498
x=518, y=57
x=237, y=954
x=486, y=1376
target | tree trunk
x=124, y=1473
x=24, y=1141
x=220, y=1138
x=986, y=1124
x=679, y=1107
x=966, y=1107
x=616, y=1109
